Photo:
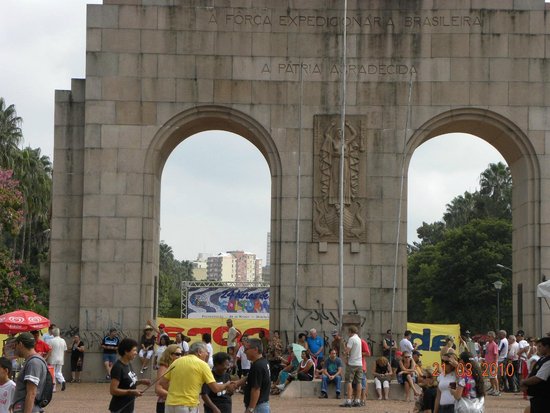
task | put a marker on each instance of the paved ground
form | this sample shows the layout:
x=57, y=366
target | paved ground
x=94, y=398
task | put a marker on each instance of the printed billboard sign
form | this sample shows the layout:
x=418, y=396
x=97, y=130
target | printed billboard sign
x=224, y=302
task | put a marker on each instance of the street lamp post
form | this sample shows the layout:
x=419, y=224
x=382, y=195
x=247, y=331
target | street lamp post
x=498, y=287
x=504, y=267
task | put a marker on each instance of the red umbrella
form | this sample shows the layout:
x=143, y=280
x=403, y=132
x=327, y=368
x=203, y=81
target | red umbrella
x=22, y=320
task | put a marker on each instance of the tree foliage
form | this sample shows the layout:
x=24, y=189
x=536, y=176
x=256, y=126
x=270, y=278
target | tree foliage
x=452, y=269
x=171, y=273
x=25, y=201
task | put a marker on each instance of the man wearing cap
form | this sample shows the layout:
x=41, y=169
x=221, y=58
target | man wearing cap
x=31, y=380
x=538, y=383
x=159, y=330
x=336, y=342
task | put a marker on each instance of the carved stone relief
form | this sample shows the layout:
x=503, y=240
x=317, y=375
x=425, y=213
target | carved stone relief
x=326, y=203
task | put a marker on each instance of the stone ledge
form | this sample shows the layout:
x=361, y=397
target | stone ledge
x=308, y=389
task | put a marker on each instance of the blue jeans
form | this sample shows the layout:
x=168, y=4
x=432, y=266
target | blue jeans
x=262, y=408
x=337, y=381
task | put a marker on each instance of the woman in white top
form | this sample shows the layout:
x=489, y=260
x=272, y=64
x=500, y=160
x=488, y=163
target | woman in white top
x=445, y=400
x=163, y=344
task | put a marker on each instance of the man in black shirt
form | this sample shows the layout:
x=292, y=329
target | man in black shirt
x=258, y=381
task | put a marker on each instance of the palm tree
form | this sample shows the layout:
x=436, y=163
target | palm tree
x=33, y=171
x=496, y=190
x=10, y=134
x=461, y=210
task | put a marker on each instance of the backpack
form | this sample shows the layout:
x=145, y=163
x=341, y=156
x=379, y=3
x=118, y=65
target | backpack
x=46, y=395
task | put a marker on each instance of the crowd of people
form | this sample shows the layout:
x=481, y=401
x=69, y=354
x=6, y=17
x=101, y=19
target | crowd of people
x=467, y=372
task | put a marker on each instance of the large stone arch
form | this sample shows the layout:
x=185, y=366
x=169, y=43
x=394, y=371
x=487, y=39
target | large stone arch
x=176, y=130
x=518, y=151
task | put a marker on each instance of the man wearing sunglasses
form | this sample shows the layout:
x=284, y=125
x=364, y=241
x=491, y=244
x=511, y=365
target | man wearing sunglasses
x=258, y=382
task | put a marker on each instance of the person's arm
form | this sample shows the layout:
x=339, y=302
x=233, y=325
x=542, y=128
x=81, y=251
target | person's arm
x=30, y=389
x=457, y=393
x=115, y=391
x=254, y=397
x=339, y=372
x=161, y=387
x=208, y=402
x=437, y=400
x=154, y=325
x=217, y=387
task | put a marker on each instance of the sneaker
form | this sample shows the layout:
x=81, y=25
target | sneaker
x=107, y=377
x=63, y=386
x=337, y=395
x=497, y=393
x=280, y=386
x=323, y=395
x=362, y=403
x=146, y=367
x=141, y=371
x=356, y=404
x=345, y=404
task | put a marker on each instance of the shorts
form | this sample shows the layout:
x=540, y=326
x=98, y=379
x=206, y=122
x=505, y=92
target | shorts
x=181, y=409
x=353, y=374
x=110, y=357
x=402, y=378
x=146, y=353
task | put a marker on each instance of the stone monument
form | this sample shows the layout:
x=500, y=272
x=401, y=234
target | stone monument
x=272, y=71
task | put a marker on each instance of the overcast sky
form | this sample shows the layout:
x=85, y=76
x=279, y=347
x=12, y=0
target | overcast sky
x=212, y=201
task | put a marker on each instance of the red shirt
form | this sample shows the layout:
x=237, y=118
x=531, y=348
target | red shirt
x=491, y=353
x=42, y=348
x=365, y=350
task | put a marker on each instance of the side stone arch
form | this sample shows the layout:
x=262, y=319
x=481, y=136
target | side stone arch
x=169, y=136
x=518, y=151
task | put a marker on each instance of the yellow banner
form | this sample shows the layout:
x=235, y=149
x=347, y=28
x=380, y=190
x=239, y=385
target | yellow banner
x=430, y=338
x=196, y=327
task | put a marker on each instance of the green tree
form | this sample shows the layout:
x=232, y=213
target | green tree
x=16, y=289
x=452, y=281
x=452, y=269
x=171, y=273
x=33, y=171
x=10, y=134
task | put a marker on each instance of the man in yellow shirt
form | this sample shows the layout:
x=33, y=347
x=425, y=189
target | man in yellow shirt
x=185, y=378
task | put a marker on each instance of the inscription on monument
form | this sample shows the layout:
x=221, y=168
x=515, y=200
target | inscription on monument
x=361, y=22
x=335, y=70
x=326, y=203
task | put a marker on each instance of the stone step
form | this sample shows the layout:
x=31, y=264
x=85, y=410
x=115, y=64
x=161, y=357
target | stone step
x=305, y=389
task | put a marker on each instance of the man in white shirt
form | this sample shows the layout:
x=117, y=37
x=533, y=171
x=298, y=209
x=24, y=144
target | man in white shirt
x=502, y=357
x=57, y=356
x=354, y=368
x=405, y=344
